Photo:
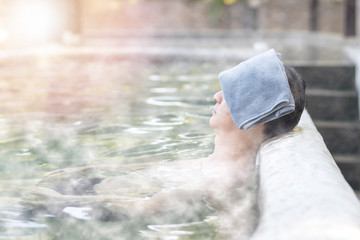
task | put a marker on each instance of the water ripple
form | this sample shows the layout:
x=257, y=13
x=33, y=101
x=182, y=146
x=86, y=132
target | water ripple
x=177, y=101
x=166, y=101
x=166, y=120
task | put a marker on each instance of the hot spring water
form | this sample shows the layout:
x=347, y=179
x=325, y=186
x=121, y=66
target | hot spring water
x=84, y=138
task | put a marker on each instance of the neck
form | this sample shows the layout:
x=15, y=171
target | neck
x=237, y=146
x=233, y=159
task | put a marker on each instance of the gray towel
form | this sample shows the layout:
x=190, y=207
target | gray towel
x=257, y=90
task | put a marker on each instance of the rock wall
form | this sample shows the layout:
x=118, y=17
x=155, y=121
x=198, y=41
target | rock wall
x=182, y=14
x=112, y=16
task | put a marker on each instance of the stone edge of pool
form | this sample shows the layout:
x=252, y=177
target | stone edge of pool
x=302, y=193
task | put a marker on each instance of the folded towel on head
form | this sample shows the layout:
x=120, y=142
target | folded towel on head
x=257, y=90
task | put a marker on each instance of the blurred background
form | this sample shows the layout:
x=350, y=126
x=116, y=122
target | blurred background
x=32, y=22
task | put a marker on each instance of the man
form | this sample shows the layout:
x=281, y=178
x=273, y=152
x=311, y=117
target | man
x=266, y=98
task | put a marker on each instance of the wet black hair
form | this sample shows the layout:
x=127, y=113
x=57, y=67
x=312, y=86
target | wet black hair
x=288, y=122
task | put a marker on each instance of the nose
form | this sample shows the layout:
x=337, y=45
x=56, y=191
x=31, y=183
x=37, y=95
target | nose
x=218, y=97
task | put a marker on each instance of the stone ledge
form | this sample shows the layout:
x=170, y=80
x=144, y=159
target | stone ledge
x=303, y=194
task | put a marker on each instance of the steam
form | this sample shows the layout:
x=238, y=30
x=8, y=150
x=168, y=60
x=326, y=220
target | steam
x=86, y=157
x=166, y=201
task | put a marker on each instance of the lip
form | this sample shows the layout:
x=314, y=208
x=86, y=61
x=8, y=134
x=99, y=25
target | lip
x=213, y=111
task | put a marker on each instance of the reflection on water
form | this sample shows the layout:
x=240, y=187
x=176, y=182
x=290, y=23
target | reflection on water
x=84, y=140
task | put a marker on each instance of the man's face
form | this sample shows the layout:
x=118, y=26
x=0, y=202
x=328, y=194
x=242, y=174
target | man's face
x=221, y=117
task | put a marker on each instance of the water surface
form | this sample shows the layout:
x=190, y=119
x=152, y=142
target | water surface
x=78, y=135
